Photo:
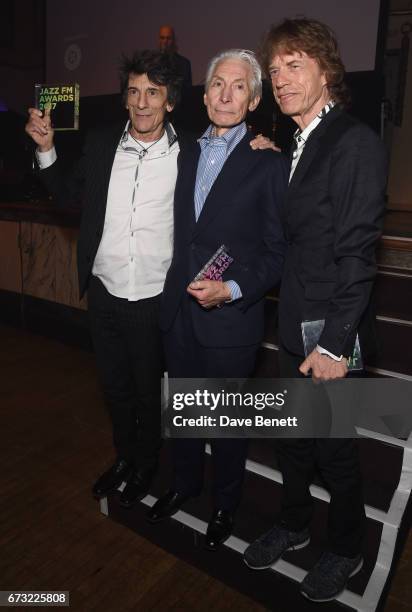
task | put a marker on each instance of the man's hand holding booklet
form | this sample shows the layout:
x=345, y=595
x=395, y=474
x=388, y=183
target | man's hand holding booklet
x=215, y=266
x=311, y=331
x=207, y=286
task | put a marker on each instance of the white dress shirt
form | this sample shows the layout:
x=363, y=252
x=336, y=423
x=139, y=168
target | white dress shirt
x=135, y=250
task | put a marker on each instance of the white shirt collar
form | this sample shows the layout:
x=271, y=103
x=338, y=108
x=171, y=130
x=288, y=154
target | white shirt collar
x=168, y=139
x=302, y=136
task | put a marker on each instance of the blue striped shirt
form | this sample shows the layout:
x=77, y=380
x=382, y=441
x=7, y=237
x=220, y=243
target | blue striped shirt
x=214, y=152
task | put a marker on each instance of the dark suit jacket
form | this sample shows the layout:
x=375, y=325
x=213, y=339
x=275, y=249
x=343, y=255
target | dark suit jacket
x=333, y=214
x=88, y=181
x=241, y=211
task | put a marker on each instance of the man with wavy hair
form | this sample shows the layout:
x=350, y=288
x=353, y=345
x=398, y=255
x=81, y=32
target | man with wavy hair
x=125, y=181
x=332, y=216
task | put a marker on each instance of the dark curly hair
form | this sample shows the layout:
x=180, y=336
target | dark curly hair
x=315, y=39
x=159, y=67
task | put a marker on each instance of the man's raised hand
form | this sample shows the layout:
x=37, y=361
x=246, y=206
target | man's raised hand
x=39, y=128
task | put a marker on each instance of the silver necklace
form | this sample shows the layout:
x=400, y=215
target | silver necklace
x=143, y=150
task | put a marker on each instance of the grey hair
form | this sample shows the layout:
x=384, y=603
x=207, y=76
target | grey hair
x=241, y=54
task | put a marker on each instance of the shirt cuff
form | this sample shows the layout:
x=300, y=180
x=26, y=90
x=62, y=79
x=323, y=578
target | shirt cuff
x=235, y=292
x=323, y=351
x=46, y=159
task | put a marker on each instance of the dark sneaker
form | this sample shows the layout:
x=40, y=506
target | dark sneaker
x=270, y=546
x=328, y=578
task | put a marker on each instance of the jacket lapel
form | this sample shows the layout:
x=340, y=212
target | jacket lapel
x=233, y=172
x=107, y=158
x=311, y=149
x=185, y=189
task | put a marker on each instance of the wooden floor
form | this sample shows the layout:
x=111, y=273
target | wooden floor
x=56, y=440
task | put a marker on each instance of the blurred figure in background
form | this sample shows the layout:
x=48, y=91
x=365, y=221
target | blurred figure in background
x=167, y=44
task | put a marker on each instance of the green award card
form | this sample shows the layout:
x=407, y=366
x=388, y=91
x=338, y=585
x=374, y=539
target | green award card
x=63, y=101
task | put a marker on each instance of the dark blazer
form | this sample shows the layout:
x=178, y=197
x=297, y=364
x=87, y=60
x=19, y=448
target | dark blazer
x=333, y=217
x=241, y=211
x=88, y=182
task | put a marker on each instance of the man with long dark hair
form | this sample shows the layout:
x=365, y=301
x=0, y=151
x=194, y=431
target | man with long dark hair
x=333, y=215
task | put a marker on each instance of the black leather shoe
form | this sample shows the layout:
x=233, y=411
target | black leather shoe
x=166, y=506
x=219, y=529
x=137, y=487
x=112, y=478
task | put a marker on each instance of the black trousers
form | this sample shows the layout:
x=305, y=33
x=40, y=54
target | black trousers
x=186, y=358
x=338, y=463
x=129, y=354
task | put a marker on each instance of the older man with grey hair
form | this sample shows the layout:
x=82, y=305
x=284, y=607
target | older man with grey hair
x=226, y=193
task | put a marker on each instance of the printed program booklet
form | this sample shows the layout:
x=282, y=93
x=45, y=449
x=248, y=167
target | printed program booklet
x=63, y=101
x=215, y=266
x=311, y=331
